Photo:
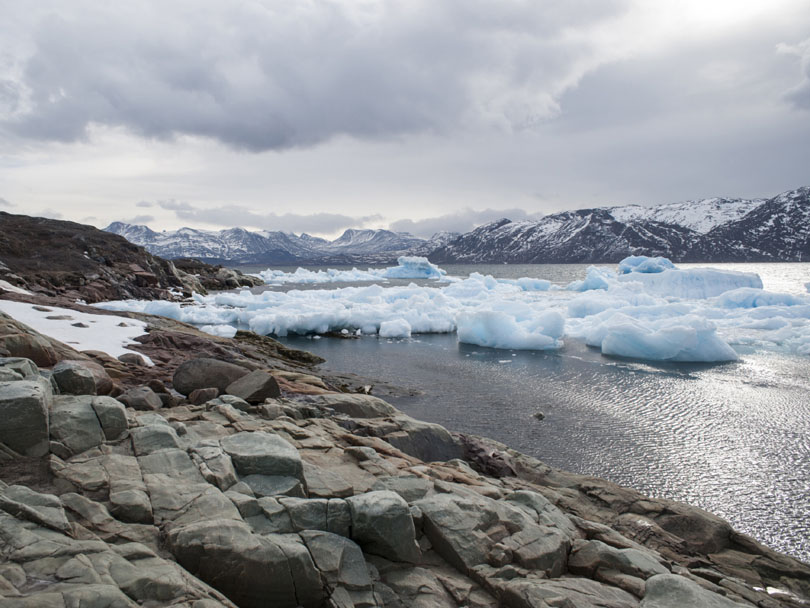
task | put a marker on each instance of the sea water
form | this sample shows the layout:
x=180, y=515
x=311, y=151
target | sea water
x=733, y=438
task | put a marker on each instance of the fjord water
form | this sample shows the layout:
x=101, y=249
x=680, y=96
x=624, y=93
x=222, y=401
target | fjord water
x=732, y=438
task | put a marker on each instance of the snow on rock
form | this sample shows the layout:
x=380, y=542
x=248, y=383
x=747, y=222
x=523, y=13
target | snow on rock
x=641, y=263
x=397, y=328
x=81, y=330
x=223, y=331
x=6, y=286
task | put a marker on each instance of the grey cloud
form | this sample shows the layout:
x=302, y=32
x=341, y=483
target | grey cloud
x=139, y=219
x=272, y=75
x=232, y=215
x=461, y=221
x=5, y=203
x=144, y=204
x=50, y=213
x=799, y=95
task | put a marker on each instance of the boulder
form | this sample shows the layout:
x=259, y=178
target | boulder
x=382, y=525
x=588, y=557
x=342, y=565
x=74, y=424
x=424, y=440
x=673, y=591
x=24, y=406
x=254, y=387
x=71, y=376
x=259, y=453
x=152, y=438
x=141, y=398
x=29, y=346
x=203, y=395
x=205, y=373
x=111, y=415
x=20, y=365
x=42, y=509
x=132, y=359
x=356, y=406
x=253, y=571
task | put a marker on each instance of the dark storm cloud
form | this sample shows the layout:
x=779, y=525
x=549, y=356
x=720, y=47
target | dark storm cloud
x=271, y=75
x=230, y=215
x=460, y=221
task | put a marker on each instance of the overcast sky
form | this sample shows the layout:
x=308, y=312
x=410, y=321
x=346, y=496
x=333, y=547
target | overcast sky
x=418, y=115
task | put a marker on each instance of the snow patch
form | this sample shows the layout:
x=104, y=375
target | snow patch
x=83, y=331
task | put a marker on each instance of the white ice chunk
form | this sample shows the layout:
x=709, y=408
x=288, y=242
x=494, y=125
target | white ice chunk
x=396, y=328
x=223, y=331
x=695, y=283
x=413, y=267
x=498, y=329
x=595, y=278
x=642, y=263
x=749, y=297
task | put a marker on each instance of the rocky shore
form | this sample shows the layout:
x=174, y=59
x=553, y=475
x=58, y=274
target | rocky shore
x=231, y=474
x=203, y=471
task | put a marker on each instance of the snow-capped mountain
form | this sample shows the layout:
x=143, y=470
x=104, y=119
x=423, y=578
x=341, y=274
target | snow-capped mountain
x=240, y=246
x=711, y=230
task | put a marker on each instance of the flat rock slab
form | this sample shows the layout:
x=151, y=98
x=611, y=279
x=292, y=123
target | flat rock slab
x=260, y=453
x=205, y=373
x=24, y=406
x=356, y=406
x=255, y=387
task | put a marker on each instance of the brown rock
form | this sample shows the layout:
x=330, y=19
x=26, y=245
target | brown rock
x=202, y=395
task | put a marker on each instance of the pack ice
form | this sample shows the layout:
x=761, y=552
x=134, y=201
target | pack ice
x=647, y=309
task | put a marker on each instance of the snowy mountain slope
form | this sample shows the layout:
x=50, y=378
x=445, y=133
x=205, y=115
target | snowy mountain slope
x=718, y=230
x=237, y=245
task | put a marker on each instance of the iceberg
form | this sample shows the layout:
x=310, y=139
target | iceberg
x=413, y=267
x=641, y=263
x=672, y=314
x=409, y=267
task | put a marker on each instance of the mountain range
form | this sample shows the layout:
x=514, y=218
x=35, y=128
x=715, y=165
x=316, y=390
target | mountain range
x=708, y=230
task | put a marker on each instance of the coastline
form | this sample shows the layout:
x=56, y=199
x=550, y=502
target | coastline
x=574, y=544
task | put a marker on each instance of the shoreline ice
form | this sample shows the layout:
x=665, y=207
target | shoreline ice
x=649, y=310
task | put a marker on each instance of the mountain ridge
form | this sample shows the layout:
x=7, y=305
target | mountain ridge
x=705, y=230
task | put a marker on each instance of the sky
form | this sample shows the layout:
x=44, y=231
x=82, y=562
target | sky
x=414, y=115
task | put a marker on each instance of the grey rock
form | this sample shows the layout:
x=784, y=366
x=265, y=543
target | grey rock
x=111, y=415
x=205, y=373
x=274, y=485
x=323, y=483
x=24, y=406
x=74, y=424
x=20, y=365
x=341, y=564
x=43, y=509
x=74, y=378
x=579, y=592
x=203, y=395
x=410, y=487
x=306, y=513
x=132, y=359
x=424, y=440
x=247, y=506
x=149, y=439
x=418, y=588
x=673, y=591
x=9, y=375
x=542, y=511
x=141, y=398
x=215, y=465
x=254, y=387
x=253, y=571
x=276, y=515
x=588, y=557
x=338, y=517
x=355, y=405
x=260, y=453
x=382, y=524
x=131, y=505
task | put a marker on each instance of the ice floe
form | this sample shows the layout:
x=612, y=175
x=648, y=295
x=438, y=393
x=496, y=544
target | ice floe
x=409, y=267
x=650, y=310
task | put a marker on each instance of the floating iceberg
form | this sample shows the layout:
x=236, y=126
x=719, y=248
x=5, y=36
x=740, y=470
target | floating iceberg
x=669, y=315
x=640, y=263
x=409, y=268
